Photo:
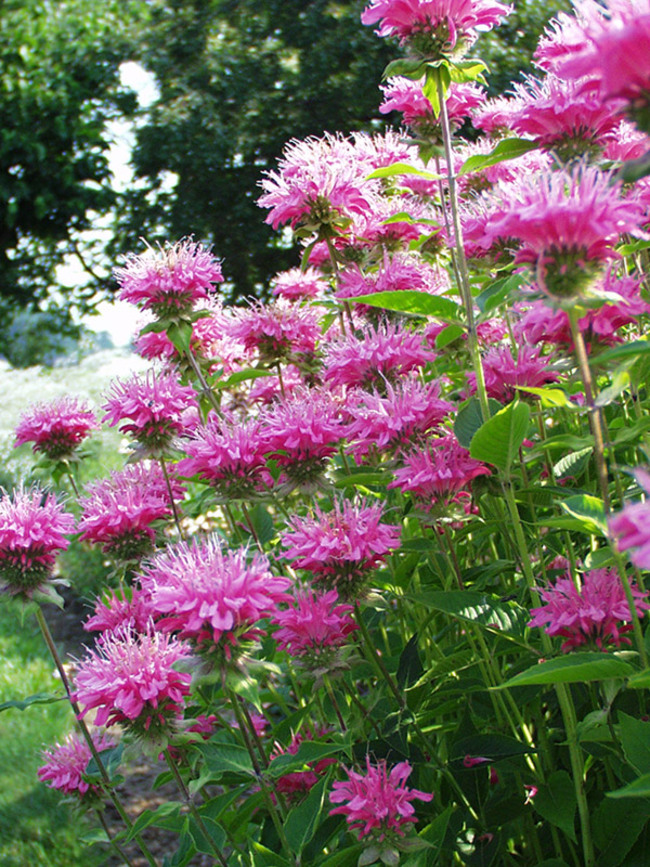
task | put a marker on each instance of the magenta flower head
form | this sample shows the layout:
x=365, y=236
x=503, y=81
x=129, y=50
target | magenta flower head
x=121, y=612
x=596, y=615
x=33, y=527
x=313, y=628
x=503, y=373
x=118, y=512
x=56, y=428
x=341, y=547
x=377, y=804
x=405, y=95
x=211, y=596
x=567, y=224
x=296, y=284
x=435, y=28
x=170, y=280
x=631, y=526
x=66, y=763
x=150, y=408
x=130, y=678
x=278, y=331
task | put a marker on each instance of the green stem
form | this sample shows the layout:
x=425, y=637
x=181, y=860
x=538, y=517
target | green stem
x=205, y=388
x=172, y=502
x=113, y=843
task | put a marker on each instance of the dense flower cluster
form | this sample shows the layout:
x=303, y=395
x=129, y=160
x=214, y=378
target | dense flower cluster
x=313, y=625
x=66, y=763
x=56, y=428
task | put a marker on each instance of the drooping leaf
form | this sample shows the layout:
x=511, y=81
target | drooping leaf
x=470, y=418
x=37, y=698
x=303, y=819
x=635, y=740
x=616, y=826
x=588, y=510
x=508, y=149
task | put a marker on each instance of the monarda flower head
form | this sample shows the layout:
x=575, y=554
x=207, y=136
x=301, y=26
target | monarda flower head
x=229, y=457
x=56, y=428
x=567, y=224
x=597, y=614
x=169, y=280
x=33, y=527
x=313, y=628
x=435, y=28
x=130, y=678
x=377, y=804
x=121, y=612
x=278, y=331
x=405, y=95
x=212, y=596
x=118, y=512
x=66, y=763
x=296, y=284
x=505, y=372
x=631, y=526
x=341, y=547
x=150, y=408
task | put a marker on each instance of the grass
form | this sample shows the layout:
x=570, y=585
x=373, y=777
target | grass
x=36, y=828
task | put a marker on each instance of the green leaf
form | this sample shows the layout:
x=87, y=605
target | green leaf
x=308, y=752
x=556, y=802
x=217, y=835
x=640, y=680
x=409, y=669
x=496, y=293
x=413, y=302
x=367, y=479
x=303, y=819
x=438, y=79
x=37, y=698
x=508, y=149
x=468, y=69
x=263, y=857
x=634, y=170
x=94, y=835
x=635, y=740
x=589, y=511
x=404, y=66
x=494, y=747
x=633, y=349
x=470, y=418
x=180, y=334
x=152, y=817
x=548, y=396
x=221, y=758
x=616, y=826
x=572, y=464
x=262, y=522
x=573, y=668
x=639, y=788
x=241, y=376
x=403, y=169
x=488, y=612
x=448, y=335
x=497, y=441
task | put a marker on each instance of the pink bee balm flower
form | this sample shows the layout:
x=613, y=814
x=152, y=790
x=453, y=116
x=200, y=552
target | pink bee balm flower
x=341, y=547
x=119, y=612
x=377, y=803
x=231, y=458
x=438, y=473
x=295, y=284
x=405, y=414
x=56, y=428
x=405, y=95
x=66, y=763
x=567, y=223
x=170, y=280
x=32, y=532
x=118, y=512
x=277, y=331
x=211, y=596
x=301, y=432
x=631, y=526
x=597, y=614
x=503, y=373
x=130, y=678
x=375, y=356
x=435, y=28
x=150, y=408
x=313, y=626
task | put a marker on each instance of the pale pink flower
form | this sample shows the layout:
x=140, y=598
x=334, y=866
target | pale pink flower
x=33, y=528
x=494, y=116
x=377, y=803
x=405, y=95
x=212, y=596
x=626, y=143
x=564, y=35
x=375, y=356
x=230, y=457
x=435, y=28
x=56, y=428
x=118, y=512
x=341, y=547
x=130, y=678
x=438, y=473
x=301, y=432
x=66, y=763
x=277, y=331
x=313, y=625
x=296, y=284
x=631, y=526
x=170, y=280
x=268, y=389
x=405, y=414
x=503, y=372
x=596, y=615
x=297, y=783
x=120, y=611
x=567, y=223
x=150, y=408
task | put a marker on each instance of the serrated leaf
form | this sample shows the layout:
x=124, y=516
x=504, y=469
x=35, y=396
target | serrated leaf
x=508, y=149
x=498, y=440
x=589, y=511
x=413, y=302
x=223, y=758
x=573, y=464
x=404, y=66
x=574, y=668
x=180, y=335
x=37, y=698
x=497, y=292
x=556, y=802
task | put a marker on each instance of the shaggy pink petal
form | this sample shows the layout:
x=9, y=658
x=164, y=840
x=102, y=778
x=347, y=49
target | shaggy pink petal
x=597, y=614
x=313, y=624
x=119, y=612
x=295, y=284
x=277, y=330
x=503, y=373
x=631, y=526
x=66, y=763
x=210, y=595
x=56, y=428
x=377, y=802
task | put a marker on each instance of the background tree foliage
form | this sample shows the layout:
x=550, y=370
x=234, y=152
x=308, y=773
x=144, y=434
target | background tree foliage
x=236, y=81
